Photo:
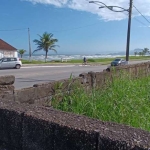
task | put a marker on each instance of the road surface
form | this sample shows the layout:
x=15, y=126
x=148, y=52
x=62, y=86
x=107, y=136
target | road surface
x=30, y=75
x=27, y=76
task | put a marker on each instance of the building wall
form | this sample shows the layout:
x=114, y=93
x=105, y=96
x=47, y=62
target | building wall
x=1, y=55
x=16, y=54
x=6, y=53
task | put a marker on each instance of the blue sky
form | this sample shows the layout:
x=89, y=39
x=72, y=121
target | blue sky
x=80, y=27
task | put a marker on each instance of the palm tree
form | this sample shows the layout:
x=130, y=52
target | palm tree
x=135, y=53
x=46, y=43
x=145, y=51
x=141, y=53
x=21, y=52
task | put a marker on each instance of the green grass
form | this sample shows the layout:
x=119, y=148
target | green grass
x=102, y=61
x=125, y=101
x=33, y=62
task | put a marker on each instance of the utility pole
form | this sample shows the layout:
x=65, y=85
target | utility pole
x=29, y=44
x=128, y=32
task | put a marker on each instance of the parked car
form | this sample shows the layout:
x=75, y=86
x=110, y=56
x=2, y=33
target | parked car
x=118, y=62
x=10, y=62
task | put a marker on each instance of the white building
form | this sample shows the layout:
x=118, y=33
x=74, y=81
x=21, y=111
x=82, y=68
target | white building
x=6, y=50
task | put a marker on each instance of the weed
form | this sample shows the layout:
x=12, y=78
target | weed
x=126, y=100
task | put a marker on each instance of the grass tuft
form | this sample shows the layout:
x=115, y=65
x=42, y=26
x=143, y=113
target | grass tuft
x=124, y=101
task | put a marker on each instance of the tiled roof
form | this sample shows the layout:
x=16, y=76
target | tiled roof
x=6, y=46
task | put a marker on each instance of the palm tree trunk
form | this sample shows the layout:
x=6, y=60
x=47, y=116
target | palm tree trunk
x=46, y=56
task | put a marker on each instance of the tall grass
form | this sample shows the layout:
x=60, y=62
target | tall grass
x=125, y=101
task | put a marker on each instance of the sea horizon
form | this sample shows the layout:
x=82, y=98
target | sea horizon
x=51, y=57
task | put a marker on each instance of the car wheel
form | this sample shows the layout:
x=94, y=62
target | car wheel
x=17, y=66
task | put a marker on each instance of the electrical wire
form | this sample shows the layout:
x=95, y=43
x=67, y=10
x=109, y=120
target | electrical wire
x=136, y=19
x=85, y=25
x=141, y=14
x=14, y=29
x=140, y=22
x=57, y=30
x=76, y=28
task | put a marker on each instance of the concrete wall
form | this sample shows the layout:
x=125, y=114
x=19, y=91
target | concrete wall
x=41, y=94
x=25, y=124
x=6, y=87
x=30, y=127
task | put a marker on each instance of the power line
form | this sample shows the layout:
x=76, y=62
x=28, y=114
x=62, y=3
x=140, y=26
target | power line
x=137, y=20
x=142, y=14
x=76, y=28
x=140, y=22
x=56, y=30
x=14, y=29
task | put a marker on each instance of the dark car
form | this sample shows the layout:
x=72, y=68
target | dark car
x=118, y=62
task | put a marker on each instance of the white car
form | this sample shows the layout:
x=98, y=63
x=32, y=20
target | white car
x=10, y=62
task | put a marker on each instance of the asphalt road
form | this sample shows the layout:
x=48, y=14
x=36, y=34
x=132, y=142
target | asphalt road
x=30, y=75
x=27, y=76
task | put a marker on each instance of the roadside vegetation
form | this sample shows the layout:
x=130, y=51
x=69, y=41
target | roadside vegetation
x=103, y=61
x=142, y=52
x=21, y=52
x=124, y=101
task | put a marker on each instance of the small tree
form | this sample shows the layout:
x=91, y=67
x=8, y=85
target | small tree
x=21, y=52
x=141, y=53
x=145, y=51
x=135, y=53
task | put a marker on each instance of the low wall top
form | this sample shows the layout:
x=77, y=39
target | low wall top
x=7, y=80
x=34, y=127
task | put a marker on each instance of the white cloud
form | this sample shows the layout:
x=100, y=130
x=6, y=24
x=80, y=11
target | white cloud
x=84, y=5
x=58, y=3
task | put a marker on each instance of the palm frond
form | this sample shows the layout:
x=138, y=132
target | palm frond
x=55, y=46
x=36, y=50
x=54, y=50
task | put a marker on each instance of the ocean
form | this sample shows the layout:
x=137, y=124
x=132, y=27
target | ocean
x=68, y=57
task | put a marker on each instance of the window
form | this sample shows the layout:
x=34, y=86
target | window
x=5, y=60
x=117, y=59
x=8, y=59
x=13, y=59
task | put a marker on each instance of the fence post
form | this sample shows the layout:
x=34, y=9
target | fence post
x=93, y=79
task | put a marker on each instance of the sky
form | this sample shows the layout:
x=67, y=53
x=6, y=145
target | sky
x=80, y=27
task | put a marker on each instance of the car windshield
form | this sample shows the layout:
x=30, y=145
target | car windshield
x=117, y=59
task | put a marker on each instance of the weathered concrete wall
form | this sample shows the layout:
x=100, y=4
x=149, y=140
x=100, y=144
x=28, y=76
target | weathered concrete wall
x=41, y=94
x=30, y=127
x=6, y=87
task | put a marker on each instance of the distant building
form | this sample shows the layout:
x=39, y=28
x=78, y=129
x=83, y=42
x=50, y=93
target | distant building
x=6, y=50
